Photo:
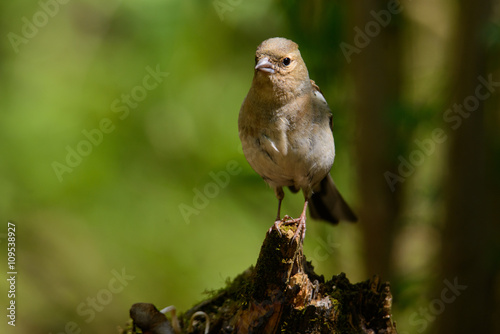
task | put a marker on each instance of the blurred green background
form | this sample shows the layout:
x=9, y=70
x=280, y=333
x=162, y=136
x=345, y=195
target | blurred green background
x=128, y=205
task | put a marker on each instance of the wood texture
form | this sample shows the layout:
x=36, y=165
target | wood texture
x=283, y=294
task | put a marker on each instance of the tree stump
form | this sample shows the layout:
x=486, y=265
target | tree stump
x=282, y=294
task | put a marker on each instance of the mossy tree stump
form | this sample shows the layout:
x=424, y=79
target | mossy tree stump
x=283, y=294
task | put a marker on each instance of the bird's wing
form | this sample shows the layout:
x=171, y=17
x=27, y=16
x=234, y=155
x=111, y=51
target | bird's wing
x=317, y=91
x=318, y=94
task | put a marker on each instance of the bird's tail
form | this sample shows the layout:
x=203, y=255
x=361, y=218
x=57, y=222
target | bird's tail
x=326, y=203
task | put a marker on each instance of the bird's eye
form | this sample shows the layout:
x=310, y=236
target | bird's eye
x=286, y=61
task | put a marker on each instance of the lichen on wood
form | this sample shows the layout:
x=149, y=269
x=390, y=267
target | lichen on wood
x=283, y=294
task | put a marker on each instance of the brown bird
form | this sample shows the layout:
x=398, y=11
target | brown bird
x=285, y=127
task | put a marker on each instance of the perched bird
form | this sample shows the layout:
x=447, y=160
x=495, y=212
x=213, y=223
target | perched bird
x=285, y=127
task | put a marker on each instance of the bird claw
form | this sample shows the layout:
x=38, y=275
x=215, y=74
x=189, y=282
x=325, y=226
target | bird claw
x=276, y=226
x=301, y=228
x=287, y=220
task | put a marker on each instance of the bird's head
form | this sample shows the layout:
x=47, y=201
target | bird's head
x=278, y=62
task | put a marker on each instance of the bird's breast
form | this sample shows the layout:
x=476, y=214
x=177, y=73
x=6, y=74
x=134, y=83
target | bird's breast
x=284, y=144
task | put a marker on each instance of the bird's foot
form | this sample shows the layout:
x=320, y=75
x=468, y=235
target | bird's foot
x=276, y=226
x=287, y=220
x=301, y=227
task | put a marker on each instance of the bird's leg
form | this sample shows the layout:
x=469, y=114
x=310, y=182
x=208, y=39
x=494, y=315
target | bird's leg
x=301, y=228
x=278, y=221
x=278, y=216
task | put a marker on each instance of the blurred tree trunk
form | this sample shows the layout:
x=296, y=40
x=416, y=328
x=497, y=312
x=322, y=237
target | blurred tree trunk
x=376, y=69
x=371, y=48
x=470, y=237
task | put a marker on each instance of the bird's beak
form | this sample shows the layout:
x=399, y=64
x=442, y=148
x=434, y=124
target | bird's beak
x=264, y=65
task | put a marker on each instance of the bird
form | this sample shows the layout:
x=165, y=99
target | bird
x=286, y=131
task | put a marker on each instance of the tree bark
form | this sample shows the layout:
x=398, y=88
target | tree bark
x=283, y=294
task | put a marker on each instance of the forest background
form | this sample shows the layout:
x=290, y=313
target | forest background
x=121, y=167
